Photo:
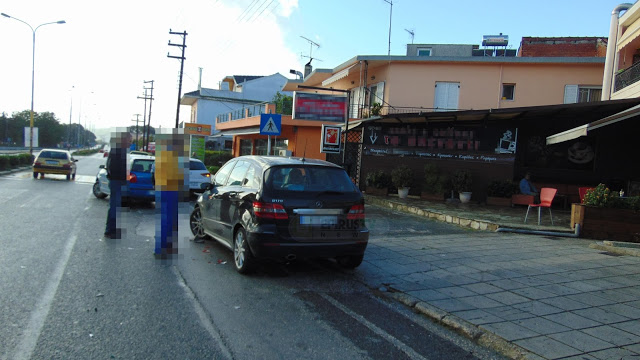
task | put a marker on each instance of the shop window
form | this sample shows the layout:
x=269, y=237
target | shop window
x=246, y=146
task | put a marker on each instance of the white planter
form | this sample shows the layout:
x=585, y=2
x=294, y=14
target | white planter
x=465, y=197
x=403, y=192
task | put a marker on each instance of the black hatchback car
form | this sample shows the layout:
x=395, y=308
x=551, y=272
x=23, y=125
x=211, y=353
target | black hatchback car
x=283, y=208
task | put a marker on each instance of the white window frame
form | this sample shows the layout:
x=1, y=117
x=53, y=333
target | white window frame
x=572, y=92
x=513, y=92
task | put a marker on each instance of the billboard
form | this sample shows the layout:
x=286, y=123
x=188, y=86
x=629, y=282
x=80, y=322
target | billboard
x=322, y=107
x=27, y=136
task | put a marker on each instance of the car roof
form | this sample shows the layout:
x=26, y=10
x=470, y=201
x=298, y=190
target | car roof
x=269, y=161
x=56, y=150
x=143, y=157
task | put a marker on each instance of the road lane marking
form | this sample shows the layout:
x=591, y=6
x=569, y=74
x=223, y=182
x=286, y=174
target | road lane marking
x=205, y=319
x=359, y=318
x=31, y=200
x=30, y=336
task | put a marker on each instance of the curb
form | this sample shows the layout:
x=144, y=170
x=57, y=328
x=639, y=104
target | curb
x=472, y=332
x=463, y=222
x=14, y=170
x=617, y=248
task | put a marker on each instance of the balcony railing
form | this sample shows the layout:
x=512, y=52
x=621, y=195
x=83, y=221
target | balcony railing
x=627, y=77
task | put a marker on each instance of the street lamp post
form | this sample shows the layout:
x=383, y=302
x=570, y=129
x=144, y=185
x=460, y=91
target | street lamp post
x=33, y=62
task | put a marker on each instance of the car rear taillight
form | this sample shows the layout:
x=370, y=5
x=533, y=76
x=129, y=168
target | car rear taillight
x=269, y=211
x=356, y=212
x=132, y=178
x=67, y=166
x=37, y=163
x=205, y=174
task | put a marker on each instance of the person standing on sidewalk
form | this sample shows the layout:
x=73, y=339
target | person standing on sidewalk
x=117, y=175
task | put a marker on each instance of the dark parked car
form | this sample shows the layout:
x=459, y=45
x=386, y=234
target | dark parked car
x=267, y=207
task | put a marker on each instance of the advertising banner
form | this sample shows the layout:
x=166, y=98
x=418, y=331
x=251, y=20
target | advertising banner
x=322, y=107
x=331, y=135
x=27, y=136
x=197, y=129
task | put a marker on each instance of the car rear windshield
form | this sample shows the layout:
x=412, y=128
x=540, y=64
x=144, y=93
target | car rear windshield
x=143, y=166
x=53, y=155
x=309, y=178
x=196, y=165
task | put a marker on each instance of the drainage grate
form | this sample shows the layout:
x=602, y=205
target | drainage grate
x=610, y=254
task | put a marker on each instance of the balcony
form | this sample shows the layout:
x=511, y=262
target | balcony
x=627, y=77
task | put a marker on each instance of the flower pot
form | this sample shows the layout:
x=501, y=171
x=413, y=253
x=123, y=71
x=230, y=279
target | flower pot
x=498, y=201
x=403, y=192
x=607, y=223
x=465, y=197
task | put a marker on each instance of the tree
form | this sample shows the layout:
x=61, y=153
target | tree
x=284, y=103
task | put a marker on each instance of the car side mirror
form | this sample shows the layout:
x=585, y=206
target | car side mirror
x=101, y=166
x=207, y=186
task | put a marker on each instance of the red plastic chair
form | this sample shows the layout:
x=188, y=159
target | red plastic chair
x=582, y=191
x=546, y=198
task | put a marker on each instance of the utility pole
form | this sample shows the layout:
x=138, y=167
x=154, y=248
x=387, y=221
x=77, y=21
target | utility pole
x=137, y=132
x=182, y=58
x=145, y=127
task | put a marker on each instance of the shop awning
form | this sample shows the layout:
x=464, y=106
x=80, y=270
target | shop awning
x=583, y=130
x=339, y=75
x=243, y=131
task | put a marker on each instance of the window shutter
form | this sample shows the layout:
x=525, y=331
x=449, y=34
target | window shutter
x=570, y=94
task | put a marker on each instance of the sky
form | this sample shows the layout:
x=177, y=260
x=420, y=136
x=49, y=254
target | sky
x=92, y=69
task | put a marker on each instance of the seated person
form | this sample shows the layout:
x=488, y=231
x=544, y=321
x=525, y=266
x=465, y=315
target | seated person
x=295, y=181
x=527, y=188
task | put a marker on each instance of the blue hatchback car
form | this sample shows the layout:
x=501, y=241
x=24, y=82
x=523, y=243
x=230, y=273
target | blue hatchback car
x=139, y=184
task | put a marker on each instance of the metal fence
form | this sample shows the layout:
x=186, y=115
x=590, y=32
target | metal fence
x=627, y=76
x=352, y=156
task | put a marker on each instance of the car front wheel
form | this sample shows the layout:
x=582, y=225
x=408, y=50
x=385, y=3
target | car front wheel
x=195, y=222
x=96, y=191
x=242, y=257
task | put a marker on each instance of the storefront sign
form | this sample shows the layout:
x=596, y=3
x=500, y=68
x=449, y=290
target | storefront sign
x=322, y=107
x=197, y=129
x=331, y=135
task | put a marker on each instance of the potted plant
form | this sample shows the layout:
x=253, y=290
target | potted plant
x=377, y=182
x=402, y=178
x=604, y=215
x=433, y=187
x=499, y=192
x=461, y=181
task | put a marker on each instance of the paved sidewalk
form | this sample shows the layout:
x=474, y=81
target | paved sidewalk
x=527, y=296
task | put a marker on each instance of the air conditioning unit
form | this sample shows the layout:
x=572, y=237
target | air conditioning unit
x=284, y=152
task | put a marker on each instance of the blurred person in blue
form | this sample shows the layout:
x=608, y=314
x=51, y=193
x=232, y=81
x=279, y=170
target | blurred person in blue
x=527, y=188
x=117, y=175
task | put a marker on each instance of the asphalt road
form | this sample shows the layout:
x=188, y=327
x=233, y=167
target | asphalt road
x=67, y=293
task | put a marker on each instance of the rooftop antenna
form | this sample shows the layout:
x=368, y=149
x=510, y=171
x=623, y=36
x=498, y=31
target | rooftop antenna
x=311, y=44
x=390, y=2
x=412, y=33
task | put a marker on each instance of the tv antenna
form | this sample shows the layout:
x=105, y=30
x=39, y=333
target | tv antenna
x=412, y=33
x=311, y=44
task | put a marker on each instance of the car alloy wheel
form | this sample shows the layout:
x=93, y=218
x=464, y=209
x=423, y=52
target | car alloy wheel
x=242, y=257
x=96, y=191
x=195, y=222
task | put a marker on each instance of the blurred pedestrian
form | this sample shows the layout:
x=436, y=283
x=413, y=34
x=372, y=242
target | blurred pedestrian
x=117, y=175
x=527, y=188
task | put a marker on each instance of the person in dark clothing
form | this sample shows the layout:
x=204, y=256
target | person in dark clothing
x=117, y=175
x=527, y=188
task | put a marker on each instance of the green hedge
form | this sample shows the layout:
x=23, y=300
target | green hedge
x=213, y=169
x=216, y=158
x=13, y=161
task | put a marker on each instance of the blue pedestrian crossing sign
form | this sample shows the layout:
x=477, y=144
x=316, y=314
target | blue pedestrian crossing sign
x=270, y=124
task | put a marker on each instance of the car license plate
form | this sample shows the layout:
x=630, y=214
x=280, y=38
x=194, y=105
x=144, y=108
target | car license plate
x=318, y=220
x=52, y=162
